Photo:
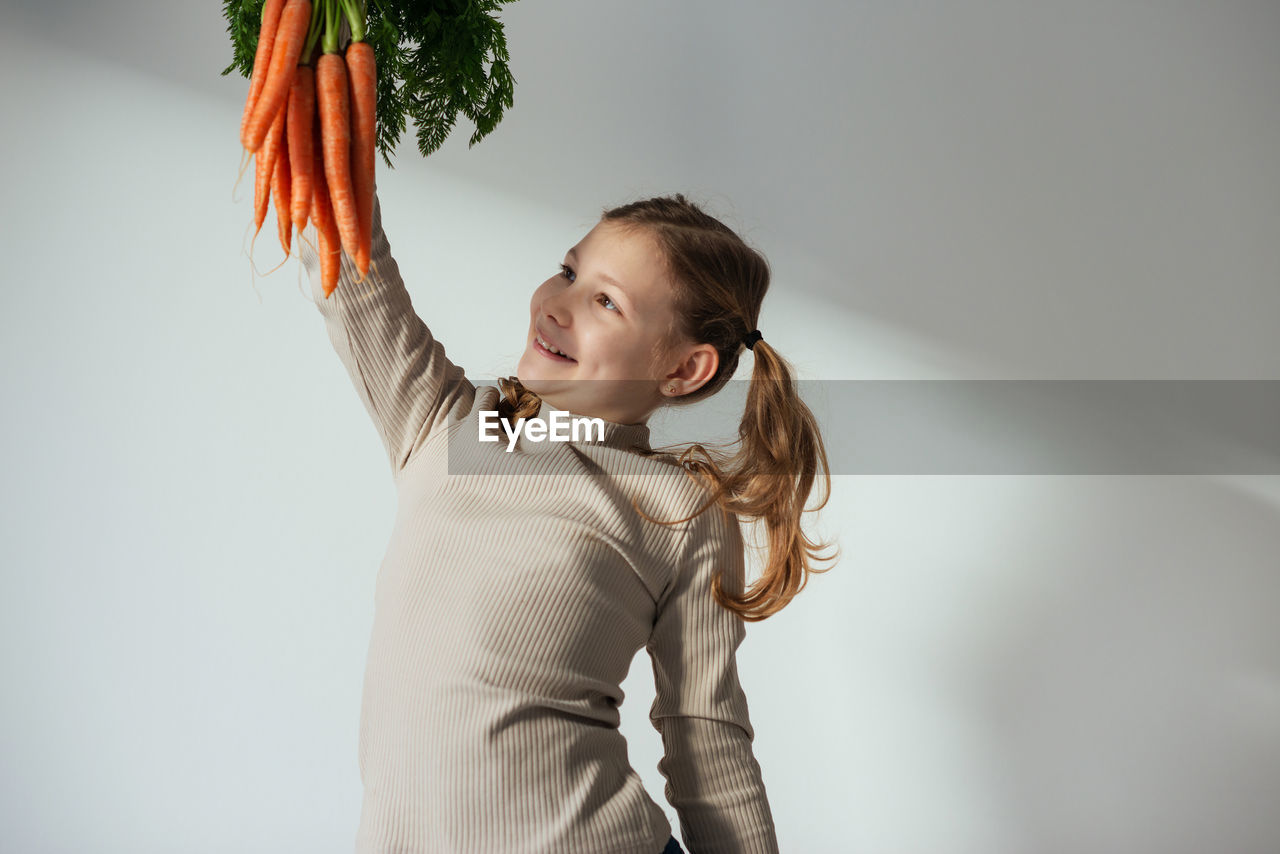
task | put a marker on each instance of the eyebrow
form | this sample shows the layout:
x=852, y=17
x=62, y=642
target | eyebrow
x=603, y=276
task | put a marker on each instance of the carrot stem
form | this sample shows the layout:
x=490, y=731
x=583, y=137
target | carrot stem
x=355, y=13
x=313, y=31
x=333, y=16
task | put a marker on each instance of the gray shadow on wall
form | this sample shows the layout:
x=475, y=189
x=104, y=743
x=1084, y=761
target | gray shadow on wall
x=1135, y=709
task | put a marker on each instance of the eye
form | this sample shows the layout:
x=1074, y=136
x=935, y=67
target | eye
x=567, y=271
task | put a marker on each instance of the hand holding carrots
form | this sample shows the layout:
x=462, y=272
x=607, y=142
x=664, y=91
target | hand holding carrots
x=311, y=127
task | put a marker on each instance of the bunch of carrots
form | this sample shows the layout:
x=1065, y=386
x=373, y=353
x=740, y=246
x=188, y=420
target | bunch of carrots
x=310, y=125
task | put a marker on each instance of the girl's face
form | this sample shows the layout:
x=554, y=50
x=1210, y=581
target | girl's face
x=610, y=311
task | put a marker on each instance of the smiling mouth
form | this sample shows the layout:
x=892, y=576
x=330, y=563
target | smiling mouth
x=545, y=350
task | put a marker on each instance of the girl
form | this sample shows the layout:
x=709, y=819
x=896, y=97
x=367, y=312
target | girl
x=522, y=577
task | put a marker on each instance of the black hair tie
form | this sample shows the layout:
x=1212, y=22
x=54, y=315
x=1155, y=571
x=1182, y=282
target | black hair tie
x=751, y=338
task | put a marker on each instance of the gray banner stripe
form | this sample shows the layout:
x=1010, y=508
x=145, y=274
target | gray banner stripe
x=1016, y=427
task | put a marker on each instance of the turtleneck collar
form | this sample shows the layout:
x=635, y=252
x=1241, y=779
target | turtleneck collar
x=622, y=436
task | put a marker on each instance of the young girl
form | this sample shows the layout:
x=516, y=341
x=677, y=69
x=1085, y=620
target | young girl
x=524, y=574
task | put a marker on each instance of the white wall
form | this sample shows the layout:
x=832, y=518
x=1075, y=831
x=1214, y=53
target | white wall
x=197, y=505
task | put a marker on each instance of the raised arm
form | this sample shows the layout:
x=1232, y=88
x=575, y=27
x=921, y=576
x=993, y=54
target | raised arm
x=399, y=369
x=713, y=778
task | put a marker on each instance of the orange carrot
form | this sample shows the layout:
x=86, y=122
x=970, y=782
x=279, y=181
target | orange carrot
x=302, y=104
x=295, y=20
x=364, y=97
x=328, y=242
x=261, y=58
x=281, y=185
x=335, y=134
x=266, y=165
x=330, y=262
x=261, y=190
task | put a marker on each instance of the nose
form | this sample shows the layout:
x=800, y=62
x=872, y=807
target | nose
x=556, y=306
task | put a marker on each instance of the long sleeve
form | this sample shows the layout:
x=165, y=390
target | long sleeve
x=399, y=369
x=713, y=779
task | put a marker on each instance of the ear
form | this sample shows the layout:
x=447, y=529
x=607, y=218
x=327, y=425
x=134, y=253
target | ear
x=697, y=364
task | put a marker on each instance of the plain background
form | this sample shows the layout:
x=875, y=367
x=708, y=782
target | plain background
x=196, y=503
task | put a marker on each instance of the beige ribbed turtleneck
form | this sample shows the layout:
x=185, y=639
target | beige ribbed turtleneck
x=515, y=591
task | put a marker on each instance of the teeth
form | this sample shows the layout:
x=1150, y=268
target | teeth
x=551, y=348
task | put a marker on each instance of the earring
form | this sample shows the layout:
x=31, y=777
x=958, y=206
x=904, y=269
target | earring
x=671, y=389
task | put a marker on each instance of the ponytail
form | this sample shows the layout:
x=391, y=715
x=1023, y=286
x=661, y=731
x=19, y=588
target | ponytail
x=769, y=478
